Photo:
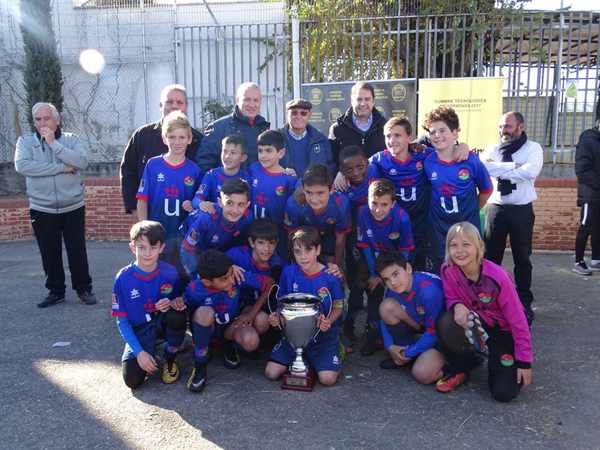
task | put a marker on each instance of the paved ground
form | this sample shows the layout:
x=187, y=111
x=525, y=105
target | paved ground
x=73, y=396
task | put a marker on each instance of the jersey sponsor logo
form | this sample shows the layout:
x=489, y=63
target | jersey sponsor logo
x=259, y=212
x=464, y=174
x=280, y=190
x=166, y=288
x=134, y=294
x=454, y=208
x=168, y=211
x=393, y=236
x=160, y=177
x=408, y=198
x=222, y=319
x=507, y=360
x=434, y=176
x=485, y=298
x=188, y=181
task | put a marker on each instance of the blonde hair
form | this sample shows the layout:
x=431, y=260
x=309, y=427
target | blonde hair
x=173, y=120
x=470, y=233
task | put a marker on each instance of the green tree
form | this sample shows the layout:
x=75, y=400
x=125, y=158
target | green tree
x=42, y=72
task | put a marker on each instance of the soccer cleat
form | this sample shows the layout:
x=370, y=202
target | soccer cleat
x=475, y=333
x=450, y=382
x=197, y=380
x=231, y=358
x=581, y=268
x=372, y=342
x=170, y=372
x=389, y=364
x=86, y=297
x=51, y=299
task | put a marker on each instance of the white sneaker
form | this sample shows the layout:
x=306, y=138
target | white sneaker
x=581, y=268
x=594, y=264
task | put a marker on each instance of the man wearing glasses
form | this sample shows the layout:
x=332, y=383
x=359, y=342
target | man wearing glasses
x=304, y=144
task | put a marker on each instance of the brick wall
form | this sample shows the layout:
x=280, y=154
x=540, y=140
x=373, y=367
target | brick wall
x=555, y=209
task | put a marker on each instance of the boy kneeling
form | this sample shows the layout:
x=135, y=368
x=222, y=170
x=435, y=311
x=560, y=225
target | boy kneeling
x=412, y=303
x=147, y=302
x=309, y=276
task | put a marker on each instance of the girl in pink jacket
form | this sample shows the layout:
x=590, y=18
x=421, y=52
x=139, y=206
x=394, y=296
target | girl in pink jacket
x=484, y=316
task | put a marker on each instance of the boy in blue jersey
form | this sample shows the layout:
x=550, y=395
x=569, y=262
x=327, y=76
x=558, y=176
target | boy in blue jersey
x=308, y=275
x=233, y=156
x=147, y=301
x=381, y=226
x=213, y=302
x=327, y=211
x=412, y=304
x=169, y=182
x=458, y=188
x=219, y=229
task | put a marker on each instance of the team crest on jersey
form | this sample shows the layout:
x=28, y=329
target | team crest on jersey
x=434, y=175
x=485, y=298
x=393, y=236
x=135, y=294
x=420, y=310
x=507, y=360
x=464, y=174
x=188, y=181
x=393, y=171
x=322, y=292
x=317, y=149
x=166, y=289
x=160, y=177
x=419, y=165
x=280, y=190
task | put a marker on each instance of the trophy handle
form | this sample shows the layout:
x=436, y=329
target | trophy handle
x=272, y=298
x=324, y=312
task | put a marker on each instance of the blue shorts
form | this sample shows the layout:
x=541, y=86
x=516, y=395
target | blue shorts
x=322, y=355
x=146, y=334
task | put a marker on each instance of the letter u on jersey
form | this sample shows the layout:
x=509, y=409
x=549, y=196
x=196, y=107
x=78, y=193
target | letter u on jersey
x=411, y=198
x=454, y=209
x=175, y=212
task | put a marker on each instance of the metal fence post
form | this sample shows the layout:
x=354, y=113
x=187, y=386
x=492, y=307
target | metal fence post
x=557, y=89
x=295, y=51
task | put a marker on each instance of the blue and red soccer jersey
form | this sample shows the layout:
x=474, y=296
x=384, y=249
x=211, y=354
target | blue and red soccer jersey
x=270, y=192
x=358, y=195
x=226, y=304
x=424, y=304
x=135, y=292
x=334, y=220
x=213, y=180
x=165, y=187
x=210, y=231
x=410, y=181
x=392, y=233
x=242, y=257
x=321, y=284
x=454, y=194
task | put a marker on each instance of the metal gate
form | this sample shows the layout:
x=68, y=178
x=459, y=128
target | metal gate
x=211, y=61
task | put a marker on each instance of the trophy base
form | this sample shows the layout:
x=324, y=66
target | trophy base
x=303, y=383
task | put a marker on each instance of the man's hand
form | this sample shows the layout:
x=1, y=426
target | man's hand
x=461, y=152
x=373, y=282
x=397, y=354
x=461, y=313
x=207, y=207
x=47, y=135
x=524, y=377
x=187, y=206
x=324, y=323
x=147, y=362
x=69, y=168
x=163, y=304
x=178, y=304
x=334, y=270
x=274, y=320
x=341, y=182
x=238, y=274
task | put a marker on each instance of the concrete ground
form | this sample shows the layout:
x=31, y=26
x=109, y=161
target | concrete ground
x=73, y=396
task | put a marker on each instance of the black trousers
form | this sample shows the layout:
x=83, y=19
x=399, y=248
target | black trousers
x=516, y=222
x=589, y=224
x=50, y=230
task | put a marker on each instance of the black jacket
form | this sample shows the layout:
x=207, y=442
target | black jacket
x=145, y=143
x=587, y=167
x=343, y=132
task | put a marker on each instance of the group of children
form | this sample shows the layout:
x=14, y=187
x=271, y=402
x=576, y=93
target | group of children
x=212, y=248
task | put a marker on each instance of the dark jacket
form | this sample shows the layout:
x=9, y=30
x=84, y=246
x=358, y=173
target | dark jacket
x=343, y=132
x=209, y=155
x=145, y=143
x=587, y=167
x=320, y=150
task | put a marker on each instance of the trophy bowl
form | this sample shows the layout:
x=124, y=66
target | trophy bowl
x=299, y=314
